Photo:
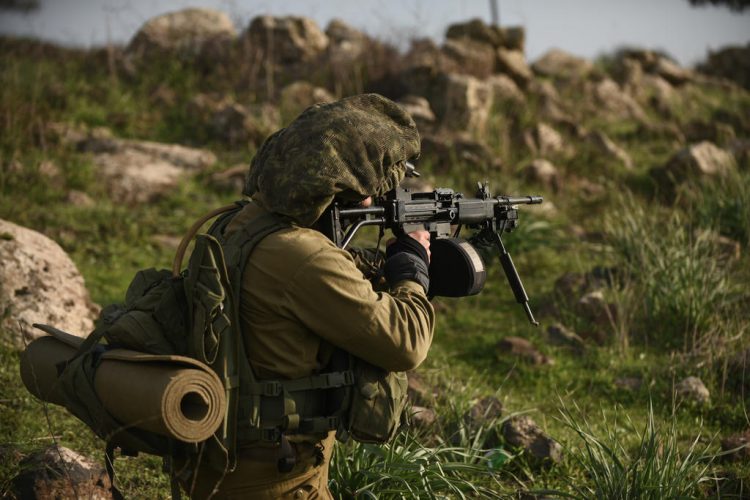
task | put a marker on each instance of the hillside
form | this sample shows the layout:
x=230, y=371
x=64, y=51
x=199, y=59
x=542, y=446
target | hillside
x=636, y=263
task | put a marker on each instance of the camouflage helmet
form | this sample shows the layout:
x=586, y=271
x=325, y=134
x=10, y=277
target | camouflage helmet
x=352, y=148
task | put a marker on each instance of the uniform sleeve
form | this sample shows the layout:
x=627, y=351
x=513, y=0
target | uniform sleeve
x=391, y=330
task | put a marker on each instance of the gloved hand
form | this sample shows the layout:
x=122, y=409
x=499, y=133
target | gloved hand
x=407, y=259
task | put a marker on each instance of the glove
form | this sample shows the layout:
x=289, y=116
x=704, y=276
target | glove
x=407, y=259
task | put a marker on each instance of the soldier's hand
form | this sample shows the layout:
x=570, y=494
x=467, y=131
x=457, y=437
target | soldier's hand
x=423, y=237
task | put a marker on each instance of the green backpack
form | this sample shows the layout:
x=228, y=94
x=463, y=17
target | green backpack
x=195, y=313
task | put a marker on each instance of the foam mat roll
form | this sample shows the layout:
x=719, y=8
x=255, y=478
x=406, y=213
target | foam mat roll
x=173, y=396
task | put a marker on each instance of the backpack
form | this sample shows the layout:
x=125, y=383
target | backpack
x=194, y=314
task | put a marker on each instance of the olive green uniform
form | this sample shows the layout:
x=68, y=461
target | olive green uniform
x=301, y=296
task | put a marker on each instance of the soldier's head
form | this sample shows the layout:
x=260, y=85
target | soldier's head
x=351, y=149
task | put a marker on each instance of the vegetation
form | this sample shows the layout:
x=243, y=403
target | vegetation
x=680, y=301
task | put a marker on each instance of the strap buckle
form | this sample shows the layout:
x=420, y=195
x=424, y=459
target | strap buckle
x=339, y=379
x=271, y=388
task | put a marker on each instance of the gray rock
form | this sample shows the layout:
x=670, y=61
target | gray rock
x=468, y=57
x=79, y=199
x=232, y=122
x=346, y=43
x=523, y=432
x=287, y=40
x=422, y=418
x=693, y=389
x=559, y=64
x=558, y=335
x=453, y=153
x=610, y=100
x=464, y=104
x=477, y=30
x=420, y=110
x=546, y=141
x=39, y=284
x=300, y=95
x=513, y=63
x=185, y=33
x=59, y=472
x=523, y=350
x=504, y=90
x=513, y=37
x=700, y=160
x=543, y=172
x=606, y=147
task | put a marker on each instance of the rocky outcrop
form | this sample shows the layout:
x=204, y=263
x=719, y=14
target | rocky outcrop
x=420, y=110
x=468, y=57
x=607, y=148
x=287, y=40
x=505, y=91
x=559, y=64
x=544, y=173
x=298, y=96
x=732, y=63
x=513, y=63
x=345, y=43
x=58, y=472
x=39, y=284
x=612, y=102
x=186, y=33
x=701, y=160
x=464, y=104
x=231, y=122
x=452, y=153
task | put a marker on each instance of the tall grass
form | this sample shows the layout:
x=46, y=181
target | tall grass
x=683, y=287
x=407, y=469
x=654, y=469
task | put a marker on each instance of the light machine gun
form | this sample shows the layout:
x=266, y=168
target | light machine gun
x=456, y=269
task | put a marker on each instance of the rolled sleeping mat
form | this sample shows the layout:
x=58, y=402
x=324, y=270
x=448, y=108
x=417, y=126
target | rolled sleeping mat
x=173, y=396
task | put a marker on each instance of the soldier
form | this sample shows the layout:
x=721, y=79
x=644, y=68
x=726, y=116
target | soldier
x=303, y=298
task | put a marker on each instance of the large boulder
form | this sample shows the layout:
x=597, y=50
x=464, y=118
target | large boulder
x=135, y=171
x=231, y=122
x=58, y=472
x=700, y=160
x=287, y=40
x=346, y=43
x=39, y=284
x=505, y=91
x=469, y=57
x=513, y=63
x=477, y=30
x=420, y=110
x=464, y=104
x=185, y=33
x=607, y=148
x=300, y=95
x=458, y=153
x=559, y=64
x=693, y=389
x=544, y=140
x=612, y=101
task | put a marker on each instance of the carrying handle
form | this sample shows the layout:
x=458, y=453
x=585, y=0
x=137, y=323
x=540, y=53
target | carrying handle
x=177, y=263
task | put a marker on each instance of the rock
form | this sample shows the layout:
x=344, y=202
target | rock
x=59, y=472
x=738, y=445
x=141, y=171
x=546, y=141
x=231, y=179
x=513, y=63
x=611, y=100
x=731, y=62
x=287, y=40
x=465, y=103
x=606, y=147
x=39, y=284
x=522, y=432
x=551, y=106
x=630, y=384
x=186, y=33
x=52, y=173
x=595, y=309
x=469, y=57
x=513, y=37
x=231, y=122
x=558, y=335
x=522, y=349
x=298, y=96
x=559, y=64
x=79, y=199
x=505, y=91
x=693, y=389
x=487, y=409
x=418, y=391
x=346, y=43
x=422, y=418
x=700, y=160
x=420, y=110
x=476, y=30
x=543, y=172
x=452, y=154
x=671, y=71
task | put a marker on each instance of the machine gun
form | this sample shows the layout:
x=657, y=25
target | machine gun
x=456, y=269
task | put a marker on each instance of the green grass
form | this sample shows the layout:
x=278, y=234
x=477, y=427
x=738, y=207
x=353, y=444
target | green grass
x=679, y=301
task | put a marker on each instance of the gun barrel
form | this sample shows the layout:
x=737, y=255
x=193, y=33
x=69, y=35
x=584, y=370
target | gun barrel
x=518, y=200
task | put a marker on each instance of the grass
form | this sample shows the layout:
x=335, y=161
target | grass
x=679, y=300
